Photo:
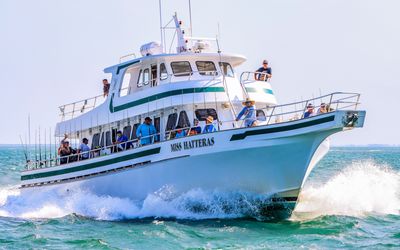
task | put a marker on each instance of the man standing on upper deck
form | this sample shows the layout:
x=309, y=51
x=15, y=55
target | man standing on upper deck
x=267, y=72
x=106, y=87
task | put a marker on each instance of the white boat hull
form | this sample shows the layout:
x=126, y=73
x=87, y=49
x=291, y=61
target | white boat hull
x=272, y=160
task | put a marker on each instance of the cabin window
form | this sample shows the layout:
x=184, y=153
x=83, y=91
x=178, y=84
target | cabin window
x=171, y=121
x=125, y=89
x=139, y=80
x=226, y=69
x=134, y=128
x=102, y=140
x=163, y=72
x=153, y=75
x=181, y=68
x=108, y=138
x=157, y=124
x=127, y=131
x=202, y=114
x=183, y=120
x=146, y=76
x=206, y=68
x=95, y=140
x=261, y=115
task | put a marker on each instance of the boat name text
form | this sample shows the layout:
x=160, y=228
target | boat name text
x=198, y=143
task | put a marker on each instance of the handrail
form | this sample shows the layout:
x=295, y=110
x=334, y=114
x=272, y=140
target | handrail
x=288, y=112
x=80, y=106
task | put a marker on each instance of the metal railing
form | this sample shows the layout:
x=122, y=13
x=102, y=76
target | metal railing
x=272, y=115
x=251, y=76
x=71, y=110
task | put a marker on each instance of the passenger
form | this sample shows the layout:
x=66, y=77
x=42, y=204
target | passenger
x=196, y=129
x=264, y=69
x=84, y=149
x=322, y=109
x=310, y=111
x=65, y=151
x=209, y=128
x=121, y=142
x=106, y=87
x=180, y=132
x=146, y=131
x=249, y=113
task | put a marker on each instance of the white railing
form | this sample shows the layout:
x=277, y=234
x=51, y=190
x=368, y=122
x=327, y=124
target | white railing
x=71, y=110
x=273, y=114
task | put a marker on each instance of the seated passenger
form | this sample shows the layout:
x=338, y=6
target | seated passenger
x=248, y=112
x=121, y=143
x=180, y=132
x=209, y=128
x=267, y=72
x=322, y=109
x=310, y=111
x=146, y=132
x=196, y=129
x=84, y=149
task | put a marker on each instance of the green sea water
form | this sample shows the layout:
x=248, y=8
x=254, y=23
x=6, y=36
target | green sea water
x=350, y=200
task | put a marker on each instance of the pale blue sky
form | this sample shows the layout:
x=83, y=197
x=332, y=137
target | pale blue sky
x=53, y=52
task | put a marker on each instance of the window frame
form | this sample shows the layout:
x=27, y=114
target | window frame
x=209, y=111
x=221, y=64
x=161, y=77
x=183, y=73
x=207, y=72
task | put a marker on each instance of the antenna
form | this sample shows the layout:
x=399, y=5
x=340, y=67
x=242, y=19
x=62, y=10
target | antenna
x=161, y=27
x=190, y=17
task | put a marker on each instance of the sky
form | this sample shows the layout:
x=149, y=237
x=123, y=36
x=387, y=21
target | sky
x=54, y=52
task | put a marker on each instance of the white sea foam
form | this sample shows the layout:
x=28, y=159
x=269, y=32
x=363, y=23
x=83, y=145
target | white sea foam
x=360, y=189
x=357, y=190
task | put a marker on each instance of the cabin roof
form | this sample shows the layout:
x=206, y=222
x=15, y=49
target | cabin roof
x=233, y=59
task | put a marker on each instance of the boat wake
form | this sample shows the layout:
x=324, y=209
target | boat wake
x=357, y=190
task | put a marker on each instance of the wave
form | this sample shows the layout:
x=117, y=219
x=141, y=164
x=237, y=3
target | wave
x=358, y=190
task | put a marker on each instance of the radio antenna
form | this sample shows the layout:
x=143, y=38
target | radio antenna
x=161, y=27
x=190, y=18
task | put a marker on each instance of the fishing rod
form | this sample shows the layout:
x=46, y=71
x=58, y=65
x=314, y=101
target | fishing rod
x=25, y=153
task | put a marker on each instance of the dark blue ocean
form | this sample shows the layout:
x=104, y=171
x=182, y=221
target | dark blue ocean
x=350, y=200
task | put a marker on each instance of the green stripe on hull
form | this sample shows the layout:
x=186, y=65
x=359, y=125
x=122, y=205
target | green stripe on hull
x=92, y=165
x=163, y=95
x=241, y=136
x=255, y=90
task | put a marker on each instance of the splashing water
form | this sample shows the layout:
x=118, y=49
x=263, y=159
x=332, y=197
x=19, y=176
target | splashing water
x=358, y=190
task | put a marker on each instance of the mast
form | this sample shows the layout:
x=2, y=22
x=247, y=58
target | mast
x=161, y=27
x=182, y=46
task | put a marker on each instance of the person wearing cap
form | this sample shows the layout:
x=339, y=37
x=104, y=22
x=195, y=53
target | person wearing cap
x=249, y=113
x=196, y=129
x=310, y=111
x=264, y=69
x=146, y=131
x=106, y=87
x=209, y=128
x=322, y=109
x=121, y=141
x=84, y=149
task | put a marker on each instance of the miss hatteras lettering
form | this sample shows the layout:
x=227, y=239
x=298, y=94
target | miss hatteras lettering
x=198, y=143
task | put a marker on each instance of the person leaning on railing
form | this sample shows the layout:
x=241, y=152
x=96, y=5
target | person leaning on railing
x=106, y=87
x=209, y=128
x=249, y=113
x=146, y=132
x=267, y=72
x=196, y=129
x=84, y=149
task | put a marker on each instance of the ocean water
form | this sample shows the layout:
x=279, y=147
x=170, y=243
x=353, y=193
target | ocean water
x=350, y=200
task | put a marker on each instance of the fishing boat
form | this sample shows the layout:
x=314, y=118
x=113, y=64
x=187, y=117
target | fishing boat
x=271, y=158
